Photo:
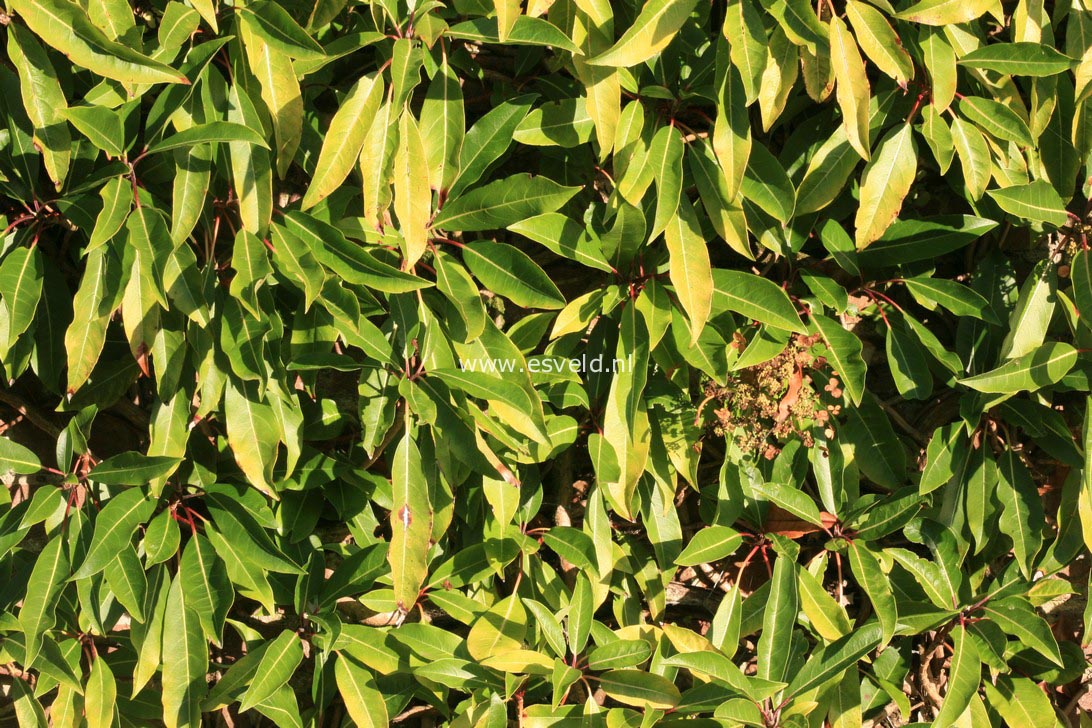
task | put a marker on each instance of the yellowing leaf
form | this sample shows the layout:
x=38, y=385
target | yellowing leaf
x=344, y=139
x=411, y=524
x=885, y=184
x=653, y=30
x=689, y=269
x=852, y=90
x=412, y=198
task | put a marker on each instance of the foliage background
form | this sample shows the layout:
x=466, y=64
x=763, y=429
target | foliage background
x=842, y=247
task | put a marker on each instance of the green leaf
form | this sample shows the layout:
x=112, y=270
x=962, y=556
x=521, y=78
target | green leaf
x=504, y=202
x=1020, y=701
x=952, y=295
x=1081, y=275
x=1042, y=367
x=829, y=661
x=1016, y=618
x=252, y=434
x=866, y=567
x=1018, y=59
x=886, y=182
x=879, y=42
x=574, y=546
x=563, y=236
x=412, y=197
x=488, y=139
x=845, y=354
x=66, y=26
x=100, y=696
x=17, y=459
x=185, y=661
x=852, y=88
x=1037, y=202
x=525, y=31
x=644, y=690
x=206, y=587
x=756, y=298
x=974, y=157
x=216, y=131
x=778, y=620
x=508, y=271
x=996, y=119
x=965, y=675
x=114, y=526
x=275, y=26
x=710, y=544
x=411, y=524
x=39, y=609
x=766, y=184
x=619, y=654
x=500, y=629
x=1022, y=510
x=278, y=664
x=132, y=468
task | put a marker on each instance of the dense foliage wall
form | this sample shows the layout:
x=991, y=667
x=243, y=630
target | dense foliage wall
x=563, y=363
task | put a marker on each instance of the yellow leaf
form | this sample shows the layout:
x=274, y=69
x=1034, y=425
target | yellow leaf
x=412, y=197
x=853, y=90
x=885, y=184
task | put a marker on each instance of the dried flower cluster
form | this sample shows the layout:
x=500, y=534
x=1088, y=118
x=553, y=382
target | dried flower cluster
x=763, y=405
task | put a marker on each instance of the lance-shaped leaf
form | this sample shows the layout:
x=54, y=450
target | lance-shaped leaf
x=756, y=298
x=778, y=621
x=344, y=139
x=488, y=139
x=213, y=132
x=411, y=524
x=133, y=468
x=651, y=32
x=879, y=42
x=499, y=204
x=21, y=275
x=710, y=544
x=18, y=459
x=866, y=568
x=945, y=12
x=690, y=270
x=1039, y=368
x=67, y=27
x=507, y=270
x=272, y=23
x=280, y=90
x=185, y=660
x=1018, y=59
x=43, y=100
x=1022, y=510
x=252, y=434
x=885, y=184
x=206, y=586
x=363, y=701
x=1037, y=202
x=412, y=197
x=964, y=677
x=640, y=689
x=443, y=124
x=278, y=664
x=39, y=610
x=114, y=526
x=852, y=90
